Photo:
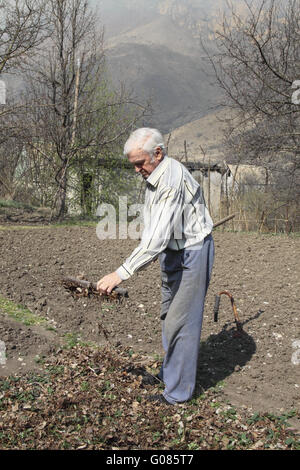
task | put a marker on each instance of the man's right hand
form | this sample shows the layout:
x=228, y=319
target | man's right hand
x=107, y=283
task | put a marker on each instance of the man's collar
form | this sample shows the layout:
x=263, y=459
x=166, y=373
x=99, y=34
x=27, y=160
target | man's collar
x=159, y=170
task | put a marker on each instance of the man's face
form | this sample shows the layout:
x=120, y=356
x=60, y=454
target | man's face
x=142, y=163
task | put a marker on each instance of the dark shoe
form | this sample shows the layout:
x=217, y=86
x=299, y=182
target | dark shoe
x=149, y=379
x=158, y=400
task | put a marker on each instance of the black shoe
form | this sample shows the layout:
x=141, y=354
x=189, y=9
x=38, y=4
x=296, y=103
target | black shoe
x=149, y=379
x=158, y=400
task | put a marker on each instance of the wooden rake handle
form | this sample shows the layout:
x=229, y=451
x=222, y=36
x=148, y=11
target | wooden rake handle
x=84, y=284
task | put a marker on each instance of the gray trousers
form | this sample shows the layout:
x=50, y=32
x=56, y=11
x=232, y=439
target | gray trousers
x=185, y=277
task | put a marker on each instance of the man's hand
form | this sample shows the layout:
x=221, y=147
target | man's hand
x=107, y=283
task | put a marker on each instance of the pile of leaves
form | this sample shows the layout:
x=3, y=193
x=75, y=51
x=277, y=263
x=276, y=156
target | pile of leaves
x=95, y=399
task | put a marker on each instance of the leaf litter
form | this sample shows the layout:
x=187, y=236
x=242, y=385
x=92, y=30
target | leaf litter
x=96, y=399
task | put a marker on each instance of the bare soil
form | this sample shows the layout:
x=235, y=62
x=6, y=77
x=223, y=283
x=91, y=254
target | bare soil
x=256, y=368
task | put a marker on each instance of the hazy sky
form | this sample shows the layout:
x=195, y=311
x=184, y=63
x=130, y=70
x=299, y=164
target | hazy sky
x=156, y=41
x=120, y=15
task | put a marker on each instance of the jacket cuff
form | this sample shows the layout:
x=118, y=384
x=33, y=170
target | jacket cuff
x=123, y=273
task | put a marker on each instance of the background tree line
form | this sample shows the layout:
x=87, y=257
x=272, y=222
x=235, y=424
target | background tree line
x=255, y=61
x=67, y=117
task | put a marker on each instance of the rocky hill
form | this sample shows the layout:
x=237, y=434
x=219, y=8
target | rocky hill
x=204, y=138
x=153, y=47
x=160, y=61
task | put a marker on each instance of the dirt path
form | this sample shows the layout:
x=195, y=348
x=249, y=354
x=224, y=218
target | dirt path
x=258, y=369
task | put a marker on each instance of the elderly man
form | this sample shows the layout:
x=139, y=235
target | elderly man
x=177, y=231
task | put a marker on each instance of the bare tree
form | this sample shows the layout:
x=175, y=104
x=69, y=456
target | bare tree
x=66, y=78
x=10, y=158
x=257, y=65
x=22, y=28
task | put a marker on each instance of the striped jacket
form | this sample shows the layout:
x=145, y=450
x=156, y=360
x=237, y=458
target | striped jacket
x=175, y=216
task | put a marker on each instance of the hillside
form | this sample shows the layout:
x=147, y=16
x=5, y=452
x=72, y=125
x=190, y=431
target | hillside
x=162, y=31
x=205, y=134
x=162, y=61
x=154, y=48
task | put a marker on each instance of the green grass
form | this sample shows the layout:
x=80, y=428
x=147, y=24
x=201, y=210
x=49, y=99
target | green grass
x=49, y=226
x=16, y=204
x=74, y=222
x=22, y=227
x=23, y=315
x=20, y=313
x=71, y=340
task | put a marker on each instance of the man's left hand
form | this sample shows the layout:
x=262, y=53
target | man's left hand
x=107, y=283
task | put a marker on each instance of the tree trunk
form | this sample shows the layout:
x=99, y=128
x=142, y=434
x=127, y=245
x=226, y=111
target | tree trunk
x=86, y=194
x=61, y=207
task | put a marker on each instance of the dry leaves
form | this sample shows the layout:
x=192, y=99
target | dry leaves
x=88, y=399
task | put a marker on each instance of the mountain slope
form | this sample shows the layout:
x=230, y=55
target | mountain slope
x=162, y=61
x=161, y=31
x=204, y=138
x=153, y=47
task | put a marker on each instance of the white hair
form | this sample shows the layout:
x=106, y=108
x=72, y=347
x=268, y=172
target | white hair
x=146, y=140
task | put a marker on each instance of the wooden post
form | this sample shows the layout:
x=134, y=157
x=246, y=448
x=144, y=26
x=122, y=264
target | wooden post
x=185, y=151
x=240, y=227
x=266, y=180
x=226, y=194
x=262, y=221
x=287, y=221
x=220, y=201
x=208, y=174
x=202, y=174
x=246, y=221
x=167, y=147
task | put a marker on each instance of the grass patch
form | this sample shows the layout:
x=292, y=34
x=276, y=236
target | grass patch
x=16, y=205
x=22, y=227
x=64, y=224
x=71, y=340
x=49, y=226
x=20, y=313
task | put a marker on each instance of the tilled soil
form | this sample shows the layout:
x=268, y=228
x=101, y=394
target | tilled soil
x=257, y=368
